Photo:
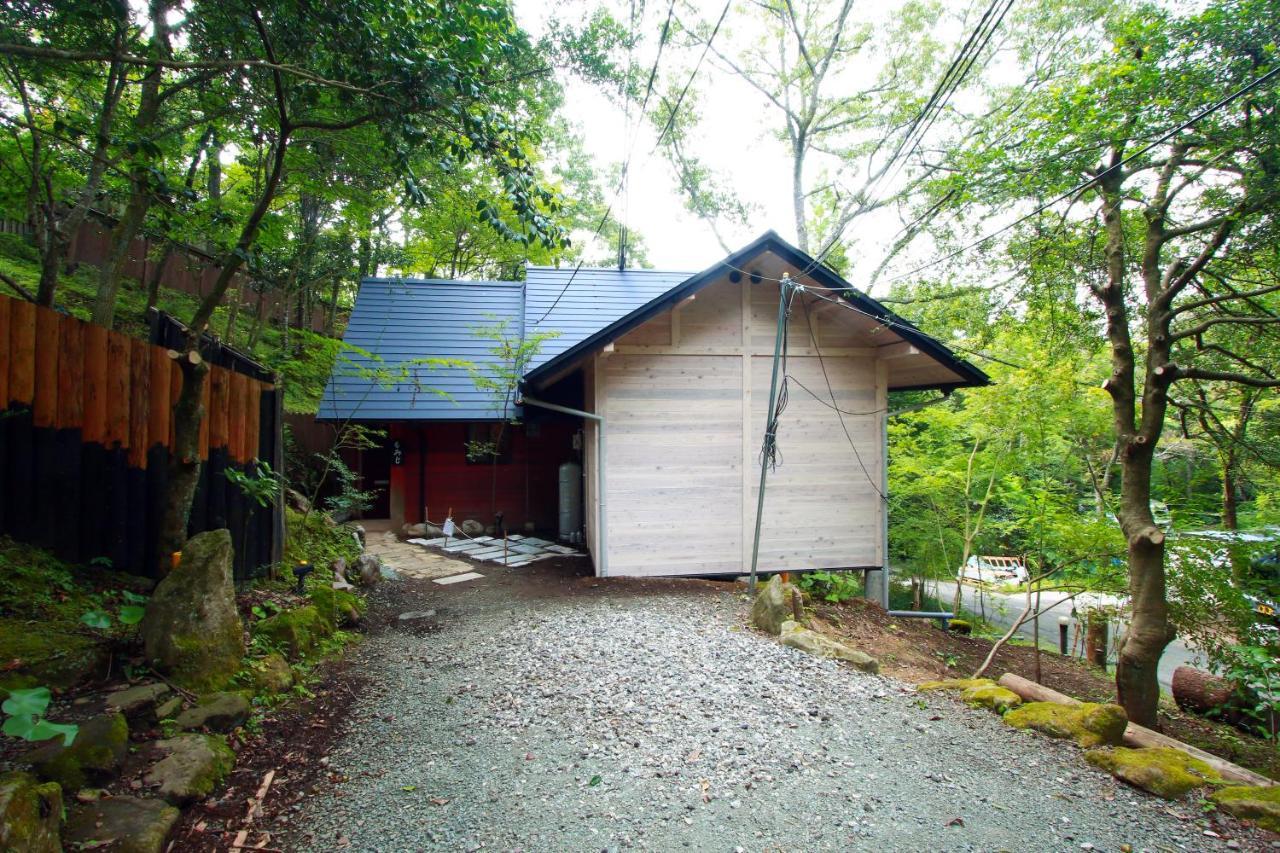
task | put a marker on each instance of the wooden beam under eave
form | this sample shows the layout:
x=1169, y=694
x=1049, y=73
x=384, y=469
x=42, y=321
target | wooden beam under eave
x=896, y=350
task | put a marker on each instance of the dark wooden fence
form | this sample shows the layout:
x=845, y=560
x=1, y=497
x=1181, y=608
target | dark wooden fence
x=85, y=438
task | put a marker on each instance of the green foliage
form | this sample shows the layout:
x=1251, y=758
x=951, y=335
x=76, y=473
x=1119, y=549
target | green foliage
x=832, y=586
x=262, y=486
x=350, y=499
x=26, y=717
x=317, y=540
x=1255, y=669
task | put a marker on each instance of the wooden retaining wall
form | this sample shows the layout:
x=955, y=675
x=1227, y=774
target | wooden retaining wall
x=85, y=436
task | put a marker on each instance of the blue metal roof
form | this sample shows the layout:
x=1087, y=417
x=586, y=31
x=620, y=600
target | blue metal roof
x=577, y=306
x=401, y=321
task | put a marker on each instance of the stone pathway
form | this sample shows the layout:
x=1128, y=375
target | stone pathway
x=412, y=560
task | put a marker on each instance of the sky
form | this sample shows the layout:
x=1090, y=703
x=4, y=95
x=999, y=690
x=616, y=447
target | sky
x=737, y=135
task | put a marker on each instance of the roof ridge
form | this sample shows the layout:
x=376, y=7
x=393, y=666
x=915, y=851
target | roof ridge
x=442, y=281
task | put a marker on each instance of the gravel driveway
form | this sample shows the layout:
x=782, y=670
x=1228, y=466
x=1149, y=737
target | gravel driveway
x=601, y=719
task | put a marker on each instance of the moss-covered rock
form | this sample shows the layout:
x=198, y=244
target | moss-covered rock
x=339, y=607
x=217, y=712
x=138, y=703
x=1260, y=805
x=192, y=629
x=30, y=814
x=50, y=657
x=1165, y=772
x=295, y=632
x=775, y=603
x=957, y=684
x=193, y=768
x=798, y=637
x=94, y=757
x=1088, y=724
x=992, y=697
x=121, y=825
x=960, y=626
x=271, y=675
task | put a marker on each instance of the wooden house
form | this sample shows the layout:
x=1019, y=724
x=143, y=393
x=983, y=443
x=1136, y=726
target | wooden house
x=657, y=384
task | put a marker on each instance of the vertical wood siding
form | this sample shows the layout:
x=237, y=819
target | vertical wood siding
x=685, y=394
x=85, y=434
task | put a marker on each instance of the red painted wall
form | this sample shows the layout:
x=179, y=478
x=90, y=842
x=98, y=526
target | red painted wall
x=527, y=485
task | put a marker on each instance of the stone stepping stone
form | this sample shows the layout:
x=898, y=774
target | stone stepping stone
x=467, y=576
x=415, y=615
x=486, y=554
x=525, y=548
x=463, y=547
x=562, y=549
x=533, y=540
x=132, y=823
x=194, y=765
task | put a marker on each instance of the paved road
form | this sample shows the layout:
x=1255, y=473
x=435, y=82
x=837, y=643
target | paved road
x=1003, y=610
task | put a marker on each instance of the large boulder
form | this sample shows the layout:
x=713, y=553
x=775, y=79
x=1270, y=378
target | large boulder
x=1260, y=805
x=94, y=757
x=775, y=603
x=30, y=814
x=121, y=825
x=218, y=712
x=194, y=765
x=192, y=629
x=799, y=637
x=294, y=632
x=471, y=527
x=1088, y=724
x=1165, y=772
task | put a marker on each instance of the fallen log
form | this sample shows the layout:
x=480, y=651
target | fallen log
x=1136, y=735
x=1201, y=692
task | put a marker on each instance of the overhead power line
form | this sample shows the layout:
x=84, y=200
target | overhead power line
x=626, y=164
x=947, y=85
x=1089, y=183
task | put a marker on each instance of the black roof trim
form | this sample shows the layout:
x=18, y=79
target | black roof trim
x=824, y=276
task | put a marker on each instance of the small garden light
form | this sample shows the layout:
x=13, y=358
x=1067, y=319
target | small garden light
x=300, y=571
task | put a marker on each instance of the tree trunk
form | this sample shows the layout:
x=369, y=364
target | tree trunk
x=129, y=224
x=189, y=411
x=153, y=286
x=1229, y=515
x=184, y=467
x=1149, y=630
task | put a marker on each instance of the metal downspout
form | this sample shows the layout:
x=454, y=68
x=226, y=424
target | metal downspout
x=600, y=457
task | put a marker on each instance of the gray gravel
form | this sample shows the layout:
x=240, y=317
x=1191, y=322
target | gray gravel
x=658, y=722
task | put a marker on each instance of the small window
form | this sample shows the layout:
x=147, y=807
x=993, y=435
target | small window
x=487, y=440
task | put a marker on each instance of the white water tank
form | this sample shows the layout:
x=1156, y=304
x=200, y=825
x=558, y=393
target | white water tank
x=570, y=500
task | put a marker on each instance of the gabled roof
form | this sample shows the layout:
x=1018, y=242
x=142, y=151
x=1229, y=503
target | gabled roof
x=768, y=242
x=579, y=306
x=403, y=321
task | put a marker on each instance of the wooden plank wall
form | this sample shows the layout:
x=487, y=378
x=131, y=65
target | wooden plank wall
x=85, y=435
x=684, y=396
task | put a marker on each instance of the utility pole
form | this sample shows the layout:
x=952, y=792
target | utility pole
x=785, y=287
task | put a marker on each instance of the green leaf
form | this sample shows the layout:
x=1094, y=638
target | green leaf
x=133, y=597
x=32, y=701
x=131, y=614
x=45, y=730
x=96, y=619
x=595, y=780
